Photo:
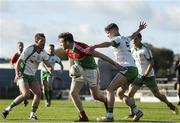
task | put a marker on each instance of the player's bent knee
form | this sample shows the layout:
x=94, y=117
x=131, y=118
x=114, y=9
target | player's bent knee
x=39, y=94
x=157, y=94
x=120, y=94
x=95, y=96
x=72, y=93
x=26, y=95
x=109, y=90
x=131, y=95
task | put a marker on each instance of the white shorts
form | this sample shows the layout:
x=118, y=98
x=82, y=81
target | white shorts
x=90, y=77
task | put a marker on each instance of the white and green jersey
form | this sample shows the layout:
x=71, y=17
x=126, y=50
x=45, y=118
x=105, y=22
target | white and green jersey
x=142, y=57
x=52, y=60
x=122, y=52
x=32, y=63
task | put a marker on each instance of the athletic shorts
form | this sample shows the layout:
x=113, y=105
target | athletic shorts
x=131, y=73
x=90, y=77
x=45, y=75
x=150, y=82
x=26, y=79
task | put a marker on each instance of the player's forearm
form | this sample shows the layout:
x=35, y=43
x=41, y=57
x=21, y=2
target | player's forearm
x=62, y=67
x=149, y=68
x=49, y=67
x=17, y=66
x=135, y=33
x=103, y=57
x=102, y=45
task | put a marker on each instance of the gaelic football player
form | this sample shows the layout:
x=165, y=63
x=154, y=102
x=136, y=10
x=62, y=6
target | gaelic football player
x=26, y=68
x=46, y=77
x=76, y=52
x=121, y=49
x=144, y=61
x=14, y=59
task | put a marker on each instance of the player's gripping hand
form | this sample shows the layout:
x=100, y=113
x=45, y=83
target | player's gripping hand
x=142, y=78
x=119, y=67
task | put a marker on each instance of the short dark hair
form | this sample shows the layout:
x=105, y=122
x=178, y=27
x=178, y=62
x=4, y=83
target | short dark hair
x=67, y=36
x=52, y=45
x=21, y=43
x=139, y=35
x=111, y=26
x=39, y=36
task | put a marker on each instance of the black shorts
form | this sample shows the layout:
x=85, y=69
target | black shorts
x=178, y=80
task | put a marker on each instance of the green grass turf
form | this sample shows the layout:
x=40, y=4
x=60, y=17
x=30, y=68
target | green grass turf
x=64, y=111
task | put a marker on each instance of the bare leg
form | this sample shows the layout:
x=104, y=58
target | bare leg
x=36, y=90
x=163, y=98
x=118, y=81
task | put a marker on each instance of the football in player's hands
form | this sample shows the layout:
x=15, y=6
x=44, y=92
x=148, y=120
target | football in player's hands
x=76, y=71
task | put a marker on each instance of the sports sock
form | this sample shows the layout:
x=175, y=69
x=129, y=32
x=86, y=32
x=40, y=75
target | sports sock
x=110, y=112
x=46, y=94
x=131, y=111
x=134, y=109
x=13, y=104
x=50, y=95
x=34, y=109
x=83, y=114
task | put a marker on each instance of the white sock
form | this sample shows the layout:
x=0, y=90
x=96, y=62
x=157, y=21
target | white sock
x=8, y=108
x=109, y=115
x=31, y=114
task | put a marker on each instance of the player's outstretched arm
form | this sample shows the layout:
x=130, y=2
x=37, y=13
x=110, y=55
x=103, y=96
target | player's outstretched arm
x=62, y=67
x=142, y=26
x=149, y=68
x=49, y=67
x=106, y=58
x=101, y=45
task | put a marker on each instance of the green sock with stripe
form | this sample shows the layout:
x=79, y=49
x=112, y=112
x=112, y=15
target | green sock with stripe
x=46, y=95
x=50, y=95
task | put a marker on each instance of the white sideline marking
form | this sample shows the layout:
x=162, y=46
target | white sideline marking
x=154, y=99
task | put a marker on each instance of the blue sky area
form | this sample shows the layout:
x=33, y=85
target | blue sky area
x=86, y=19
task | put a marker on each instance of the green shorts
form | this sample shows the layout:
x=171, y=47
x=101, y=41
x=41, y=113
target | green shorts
x=150, y=82
x=26, y=78
x=45, y=76
x=131, y=73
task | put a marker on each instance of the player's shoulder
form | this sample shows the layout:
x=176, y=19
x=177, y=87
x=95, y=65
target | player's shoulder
x=132, y=49
x=81, y=44
x=44, y=52
x=145, y=47
x=16, y=54
x=29, y=48
x=57, y=57
x=120, y=38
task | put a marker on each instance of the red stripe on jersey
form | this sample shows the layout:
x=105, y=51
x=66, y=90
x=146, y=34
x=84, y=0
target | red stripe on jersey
x=80, y=47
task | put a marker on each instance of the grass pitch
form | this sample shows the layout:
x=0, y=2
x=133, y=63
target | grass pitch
x=64, y=111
